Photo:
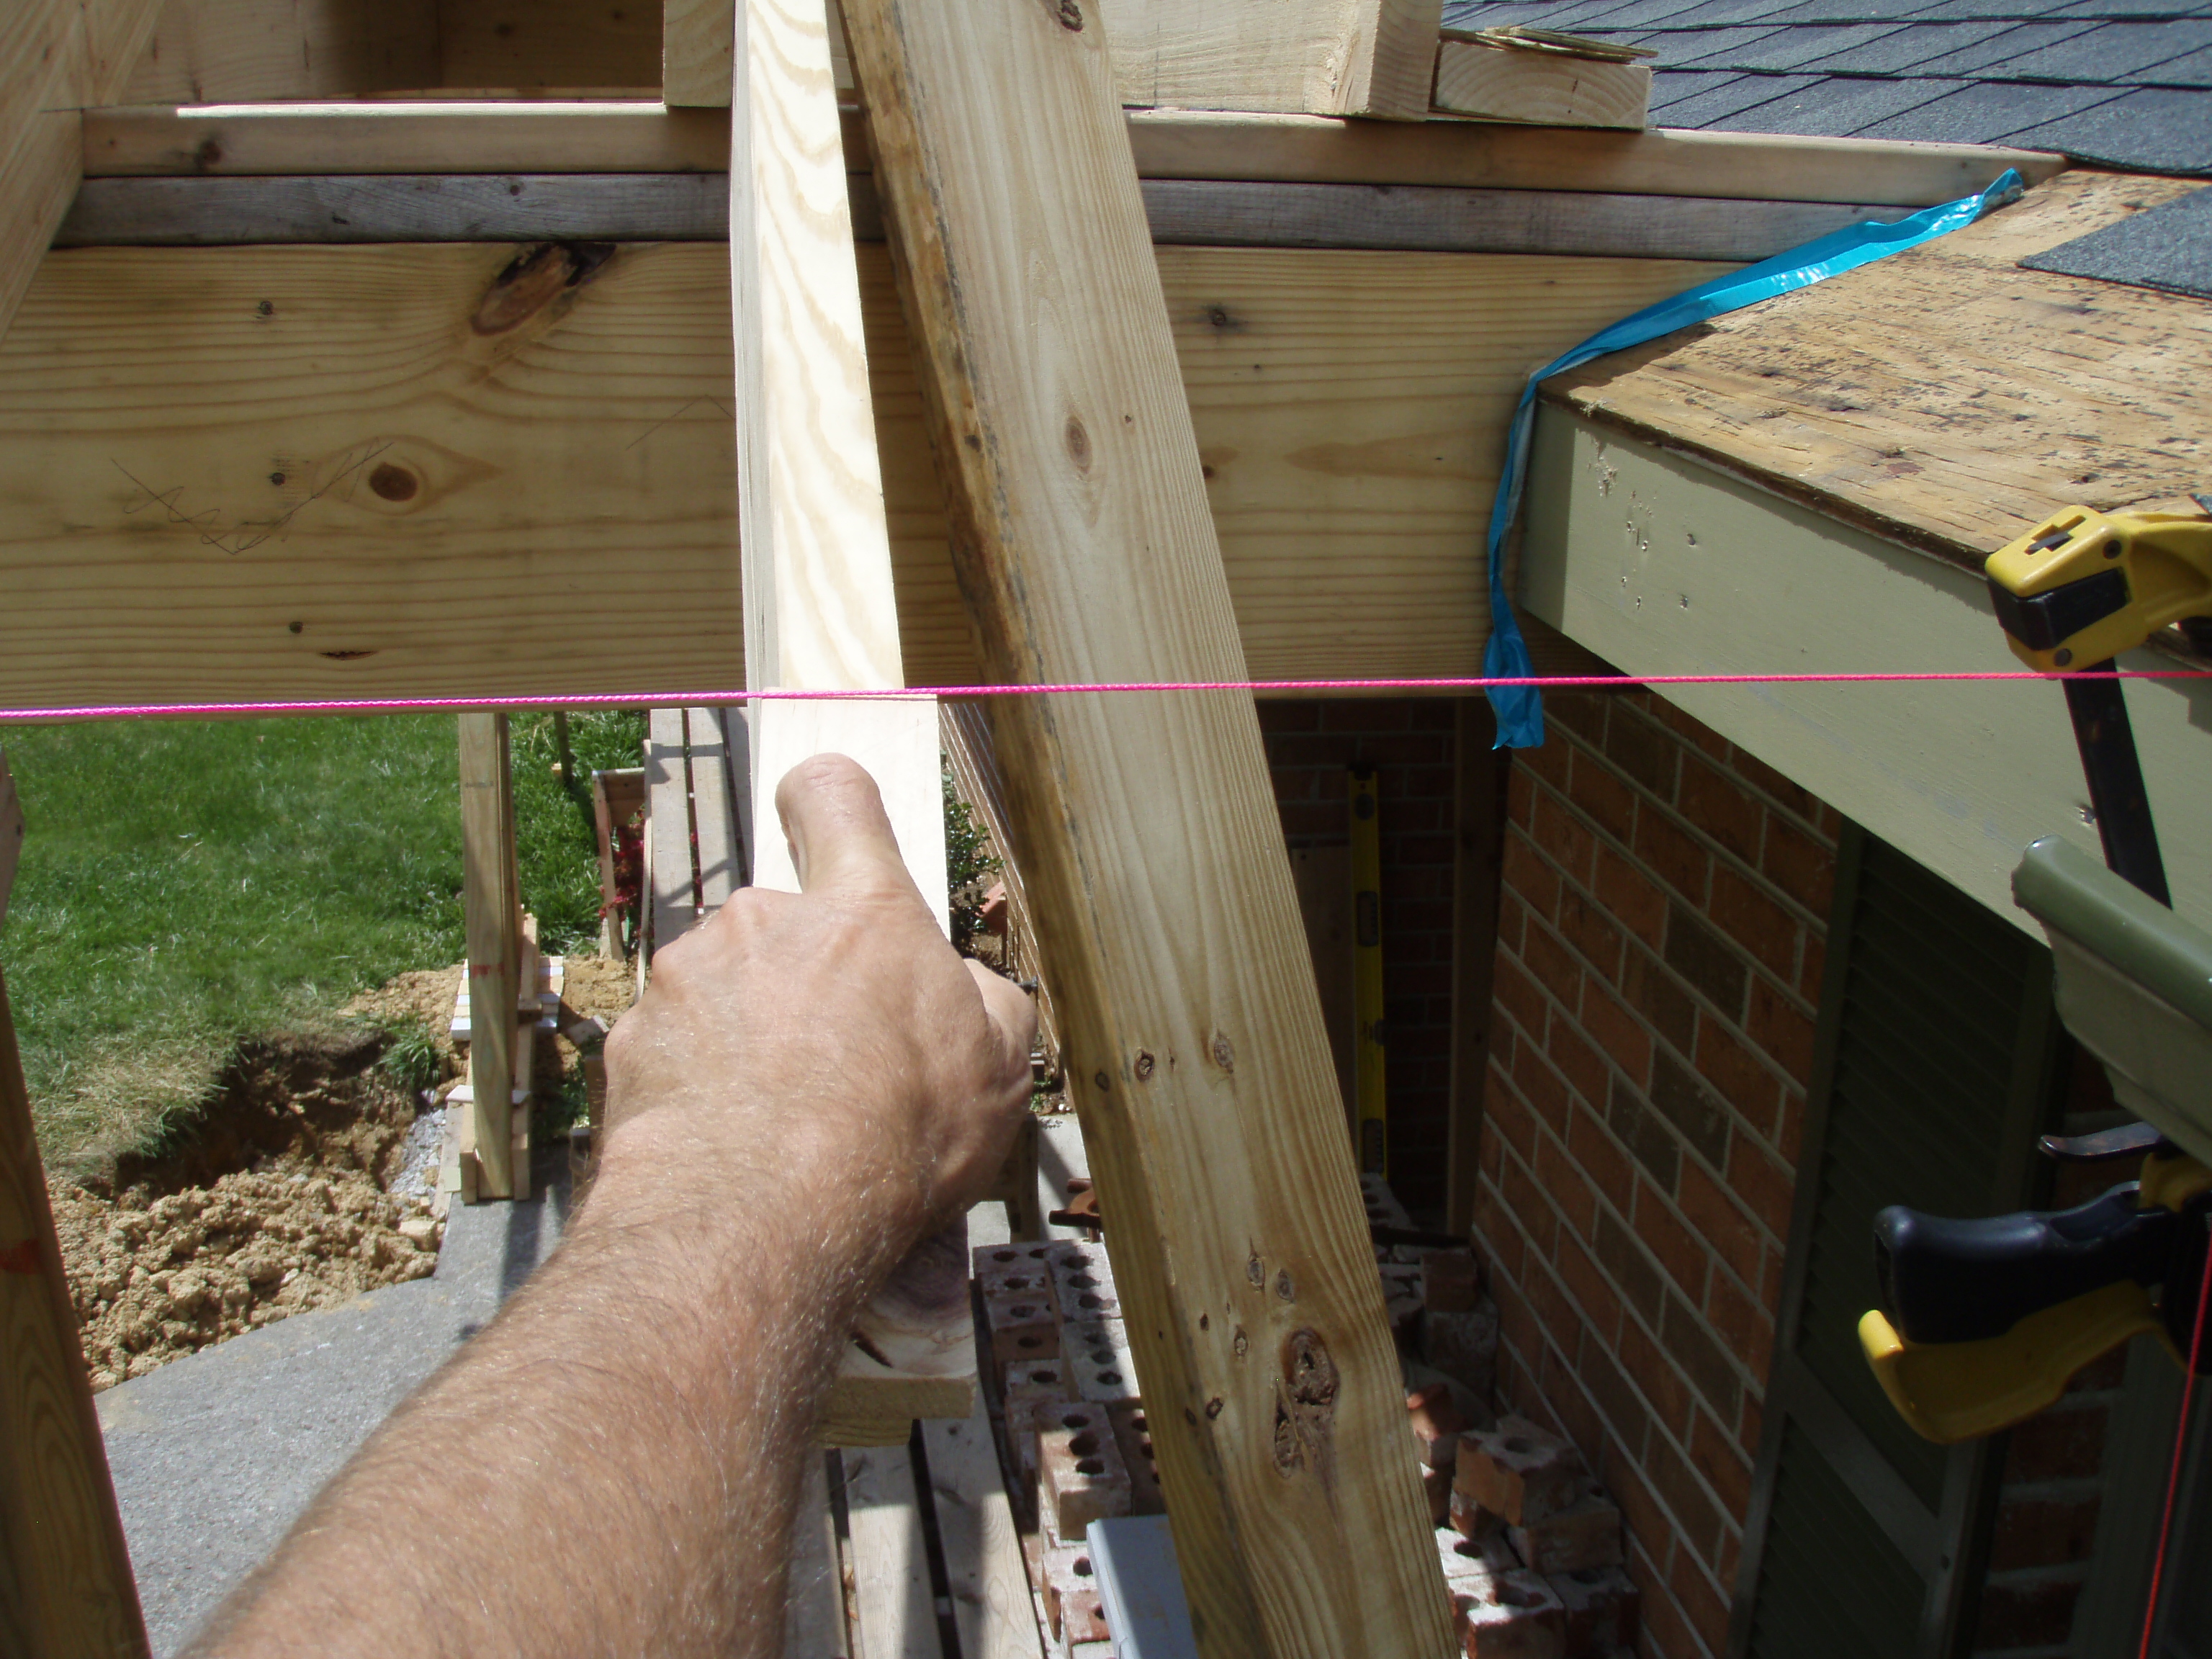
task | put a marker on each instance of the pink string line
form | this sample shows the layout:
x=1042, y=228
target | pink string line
x=910, y=693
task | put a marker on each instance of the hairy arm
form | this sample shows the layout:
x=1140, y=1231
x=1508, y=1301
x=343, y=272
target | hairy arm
x=811, y=1082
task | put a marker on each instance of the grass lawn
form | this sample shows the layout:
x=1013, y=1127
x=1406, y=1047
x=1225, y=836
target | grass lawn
x=184, y=885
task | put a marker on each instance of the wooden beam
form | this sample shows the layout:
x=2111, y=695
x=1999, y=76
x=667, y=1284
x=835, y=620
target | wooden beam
x=1147, y=831
x=1373, y=58
x=492, y=909
x=66, y=1590
x=1547, y=88
x=1478, y=861
x=406, y=436
x=638, y=136
x=230, y=51
x=322, y=209
x=985, y=1573
x=694, y=51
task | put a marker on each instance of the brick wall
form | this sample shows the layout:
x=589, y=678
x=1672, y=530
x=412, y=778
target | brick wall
x=1409, y=741
x=1658, y=968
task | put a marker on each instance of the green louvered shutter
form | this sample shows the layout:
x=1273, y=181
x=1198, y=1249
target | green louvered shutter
x=1936, y=1065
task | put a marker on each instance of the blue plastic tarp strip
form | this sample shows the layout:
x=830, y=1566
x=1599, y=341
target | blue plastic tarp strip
x=1519, y=708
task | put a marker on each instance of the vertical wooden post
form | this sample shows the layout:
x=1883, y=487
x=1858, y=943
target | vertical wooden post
x=492, y=904
x=1370, y=1103
x=1478, y=860
x=66, y=1587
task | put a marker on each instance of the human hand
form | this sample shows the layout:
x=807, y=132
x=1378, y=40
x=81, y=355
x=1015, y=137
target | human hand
x=831, y=1038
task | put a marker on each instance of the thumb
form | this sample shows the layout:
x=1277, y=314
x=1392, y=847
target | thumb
x=842, y=843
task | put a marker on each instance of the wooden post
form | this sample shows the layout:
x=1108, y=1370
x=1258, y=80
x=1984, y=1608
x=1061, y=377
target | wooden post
x=1478, y=860
x=66, y=1587
x=492, y=902
x=1148, y=833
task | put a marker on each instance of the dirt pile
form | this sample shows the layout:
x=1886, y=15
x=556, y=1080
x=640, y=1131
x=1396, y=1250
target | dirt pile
x=272, y=1202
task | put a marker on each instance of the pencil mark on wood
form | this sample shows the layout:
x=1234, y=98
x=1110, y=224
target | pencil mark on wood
x=236, y=539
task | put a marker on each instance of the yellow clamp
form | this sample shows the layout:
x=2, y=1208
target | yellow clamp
x=2083, y=585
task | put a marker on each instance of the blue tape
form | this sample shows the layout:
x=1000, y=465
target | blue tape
x=1519, y=708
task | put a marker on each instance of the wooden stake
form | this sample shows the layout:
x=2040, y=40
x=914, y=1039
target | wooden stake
x=1147, y=830
x=492, y=904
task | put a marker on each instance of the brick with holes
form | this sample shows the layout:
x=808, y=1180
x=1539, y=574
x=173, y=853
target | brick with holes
x=1464, y=1347
x=1450, y=1281
x=994, y=1263
x=1470, y=1520
x=1072, y=1610
x=1519, y=1471
x=1022, y=1326
x=1083, y=1281
x=1133, y=1433
x=1511, y=1615
x=1586, y=1534
x=1047, y=1376
x=1098, y=1358
x=1080, y=1474
x=1601, y=1609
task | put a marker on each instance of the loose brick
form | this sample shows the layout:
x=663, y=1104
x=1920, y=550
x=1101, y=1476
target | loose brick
x=1021, y=1325
x=1083, y=1281
x=1010, y=1267
x=1685, y=1102
x=1722, y=809
x=1515, y=1616
x=1069, y=1590
x=1049, y=1376
x=1464, y=1347
x=1706, y=962
x=1401, y=1295
x=1586, y=1534
x=1133, y=1434
x=1520, y=1473
x=1600, y=1604
x=1451, y=1281
x=1080, y=1474
x=1098, y=1358
x=1471, y=1520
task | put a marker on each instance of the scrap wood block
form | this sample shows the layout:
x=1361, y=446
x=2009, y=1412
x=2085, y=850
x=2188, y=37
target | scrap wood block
x=1551, y=89
x=1080, y=1474
x=1511, y=1614
x=1451, y=1282
x=1518, y=1472
x=1584, y=1534
x=913, y=1351
x=1601, y=1608
x=1069, y=1589
x=1133, y=1433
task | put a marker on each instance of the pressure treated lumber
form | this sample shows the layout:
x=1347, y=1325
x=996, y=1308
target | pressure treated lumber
x=1547, y=88
x=1369, y=57
x=66, y=1590
x=231, y=52
x=409, y=438
x=2013, y=394
x=635, y=135
x=1147, y=829
x=694, y=51
x=492, y=915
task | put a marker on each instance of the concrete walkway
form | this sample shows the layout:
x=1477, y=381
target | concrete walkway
x=215, y=1455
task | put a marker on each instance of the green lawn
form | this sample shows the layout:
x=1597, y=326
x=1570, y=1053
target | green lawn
x=186, y=883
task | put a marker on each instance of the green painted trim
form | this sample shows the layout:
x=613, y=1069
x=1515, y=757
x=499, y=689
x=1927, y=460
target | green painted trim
x=2067, y=890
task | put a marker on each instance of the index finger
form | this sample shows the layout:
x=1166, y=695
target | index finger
x=842, y=842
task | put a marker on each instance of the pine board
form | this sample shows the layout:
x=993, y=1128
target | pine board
x=893, y=1612
x=236, y=51
x=983, y=1565
x=2011, y=394
x=1503, y=83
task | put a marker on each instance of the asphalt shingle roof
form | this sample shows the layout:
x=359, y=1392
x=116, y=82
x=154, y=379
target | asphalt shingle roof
x=2126, y=83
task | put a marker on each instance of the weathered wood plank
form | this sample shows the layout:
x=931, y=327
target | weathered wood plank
x=1502, y=83
x=894, y=1617
x=966, y=735
x=169, y=212
x=641, y=137
x=1148, y=830
x=814, y=1613
x=492, y=907
x=410, y=435
x=983, y=1565
x=2014, y=393
x=721, y=854
x=672, y=875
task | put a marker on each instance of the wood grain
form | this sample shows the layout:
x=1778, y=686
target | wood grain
x=1501, y=83
x=231, y=52
x=1373, y=58
x=983, y=1566
x=2014, y=393
x=694, y=51
x=1148, y=831
x=66, y=1590
x=894, y=1617
x=548, y=43
x=641, y=137
x=814, y=1611
x=492, y=910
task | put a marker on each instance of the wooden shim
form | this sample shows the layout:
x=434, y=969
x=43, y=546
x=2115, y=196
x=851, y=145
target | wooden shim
x=695, y=207
x=66, y=1590
x=638, y=136
x=493, y=909
x=720, y=853
x=1153, y=849
x=671, y=876
x=814, y=1607
x=1501, y=83
x=894, y=1615
x=694, y=51
x=983, y=1565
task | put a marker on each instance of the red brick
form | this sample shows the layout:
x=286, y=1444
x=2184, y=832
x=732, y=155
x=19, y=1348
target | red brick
x=1789, y=1127
x=1554, y=969
x=1569, y=842
x=2043, y=1531
x=1521, y=792
x=1766, y=1185
x=1524, y=1196
x=1586, y=925
x=1675, y=1246
x=1759, y=775
x=1555, y=1313
x=1815, y=965
x=1322, y=821
x=1598, y=791
x=1552, y=761
x=1600, y=1304
x=1665, y=1391
x=1600, y=1157
x=2065, y=1443
x=1696, y=1518
x=1584, y=1066
x=1645, y=751
x=1704, y=1608
x=1753, y=1425
x=1665, y=1633
x=1583, y=713
x=1694, y=732
x=1653, y=990
x=1801, y=865
x=1747, y=915
x=1504, y=1111
x=1294, y=783
x=1628, y=1418
x=1570, y=1188
x=1513, y=993
x=1722, y=809
x=1646, y=1521
x=1782, y=1030
x=1743, y=1325
x=1634, y=900
x=1362, y=714
x=1543, y=1088
x=1504, y=1248
x=1714, y=1216
x=1582, y=1427
x=1673, y=853
x=1725, y=1061
x=1617, y=1032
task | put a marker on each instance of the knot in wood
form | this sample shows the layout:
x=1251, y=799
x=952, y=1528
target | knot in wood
x=1305, y=1404
x=1144, y=1066
x=1224, y=1055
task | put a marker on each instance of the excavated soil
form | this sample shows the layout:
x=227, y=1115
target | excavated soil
x=306, y=1179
